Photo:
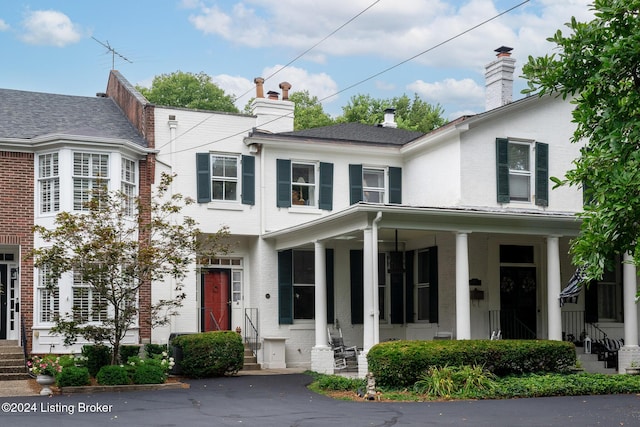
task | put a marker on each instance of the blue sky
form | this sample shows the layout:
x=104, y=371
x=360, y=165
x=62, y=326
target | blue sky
x=48, y=45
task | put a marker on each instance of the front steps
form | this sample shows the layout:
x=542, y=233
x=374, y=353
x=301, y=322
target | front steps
x=12, y=363
x=591, y=364
x=250, y=360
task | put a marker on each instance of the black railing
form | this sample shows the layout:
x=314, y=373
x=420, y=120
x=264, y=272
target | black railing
x=251, y=329
x=575, y=328
x=23, y=338
x=509, y=325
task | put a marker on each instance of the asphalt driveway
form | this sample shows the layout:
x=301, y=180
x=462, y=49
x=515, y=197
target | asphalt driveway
x=283, y=400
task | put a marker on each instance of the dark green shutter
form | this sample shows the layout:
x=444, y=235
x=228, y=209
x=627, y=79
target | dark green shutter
x=433, y=284
x=397, y=291
x=591, y=302
x=395, y=185
x=542, y=174
x=283, y=178
x=285, y=287
x=203, y=177
x=409, y=285
x=355, y=183
x=330, y=286
x=326, y=186
x=502, y=170
x=357, y=286
x=248, y=180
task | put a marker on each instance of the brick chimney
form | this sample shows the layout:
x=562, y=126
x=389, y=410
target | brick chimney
x=499, y=79
x=272, y=114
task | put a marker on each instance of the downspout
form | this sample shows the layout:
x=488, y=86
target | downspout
x=375, y=308
x=173, y=126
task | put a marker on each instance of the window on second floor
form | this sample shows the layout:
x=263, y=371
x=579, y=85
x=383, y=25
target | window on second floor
x=128, y=184
x=522, y=171
x=49, y=182
x=375, y=184
x=225, y=177
x=48, y=294
x=304, y=183
x=90, y=172
x=88, y=305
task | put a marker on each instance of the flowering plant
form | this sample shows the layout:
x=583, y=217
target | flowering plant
x=44, y=366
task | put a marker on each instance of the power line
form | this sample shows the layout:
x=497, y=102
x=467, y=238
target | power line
x=366, y=79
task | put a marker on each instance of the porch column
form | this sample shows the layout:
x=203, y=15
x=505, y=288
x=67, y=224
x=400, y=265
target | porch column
x=554, y=313
x=463, y=305
x=368, y=338
x=630, y=352
x=321, y=294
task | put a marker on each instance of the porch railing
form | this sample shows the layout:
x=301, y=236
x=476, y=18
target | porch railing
x=510, y=325
x=574, y=327
x=23, y=337
x=251, y=329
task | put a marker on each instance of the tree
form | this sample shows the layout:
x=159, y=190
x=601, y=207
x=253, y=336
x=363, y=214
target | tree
x=598, y=66
x=308, y=112
x=416, y=115
x=115, y=250
x=188, y=90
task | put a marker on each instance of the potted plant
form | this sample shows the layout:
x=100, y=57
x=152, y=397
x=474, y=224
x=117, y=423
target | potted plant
x=45, y=369
x=633, y=368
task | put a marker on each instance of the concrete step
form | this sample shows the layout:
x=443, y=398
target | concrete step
x=14, y=376
x=16, y=369
x=251, y=367
x=591, y=364
x=5, y=349
x=13, y=343
x=13, y=361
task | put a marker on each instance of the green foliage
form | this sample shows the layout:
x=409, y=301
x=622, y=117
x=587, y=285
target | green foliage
x=415, y=115
x=308, y=111
x=339, y=383
x=597, y=65
x=113, y=375
x=460, y=381
x=210, y=354
x=148, y=373
x=127, y=351
x=400, y=363
x=188, y=90
x=150, y=350
x=73, y=376
x=66, y=361
x=97, y=356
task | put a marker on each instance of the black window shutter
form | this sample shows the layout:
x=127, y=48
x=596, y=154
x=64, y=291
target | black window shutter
x=357, y=286
x=285, y=287
x=330, y=286
x=283, y=178
x=395, y=185
x=203, y=177
x=409, y=285
x=591, y=302
x=248, y=180
x=355, y=183
x=326, y=186
x=433, y=284
x=502, y=169
x=542, y=174
x=397, y=291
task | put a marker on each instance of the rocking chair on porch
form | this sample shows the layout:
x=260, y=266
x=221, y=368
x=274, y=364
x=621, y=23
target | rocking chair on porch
x=341, y=352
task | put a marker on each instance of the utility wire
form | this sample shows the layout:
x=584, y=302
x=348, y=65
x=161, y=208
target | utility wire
x=372, y=76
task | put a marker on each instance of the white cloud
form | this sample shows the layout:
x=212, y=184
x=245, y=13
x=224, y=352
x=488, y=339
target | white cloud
x=318, y=84
x=3, y=25
x=465, y=92
x=50, y=28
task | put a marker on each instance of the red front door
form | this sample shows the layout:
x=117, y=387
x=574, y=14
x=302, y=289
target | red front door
x=215, y=300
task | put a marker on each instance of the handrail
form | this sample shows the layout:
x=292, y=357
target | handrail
x=251, y=329
x=23, y=337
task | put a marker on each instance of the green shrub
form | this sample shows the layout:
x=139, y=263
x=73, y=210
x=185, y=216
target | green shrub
x=127, y=351
x=72, y=376
x=147, y=373
x=97, y=357
x=113, y=375
x=151, y=350
x=66, y=361
x=400, y=363
x=461, y=381
x=210, y=354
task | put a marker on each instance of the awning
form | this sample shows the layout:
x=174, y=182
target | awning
x=571, y=292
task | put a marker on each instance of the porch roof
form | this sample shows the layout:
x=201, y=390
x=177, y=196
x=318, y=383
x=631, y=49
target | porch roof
x=348, y=224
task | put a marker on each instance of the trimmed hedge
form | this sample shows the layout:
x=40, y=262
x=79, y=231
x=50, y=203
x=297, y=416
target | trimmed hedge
x=73, y=376
x=97, y=357
x=113, y=375
x=210, y=354
x=400, y=363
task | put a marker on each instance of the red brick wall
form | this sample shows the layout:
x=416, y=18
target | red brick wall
x=17, y=219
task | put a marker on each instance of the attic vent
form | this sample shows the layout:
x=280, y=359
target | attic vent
x=101, y=95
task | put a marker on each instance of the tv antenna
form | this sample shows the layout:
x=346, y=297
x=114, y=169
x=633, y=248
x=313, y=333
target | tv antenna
x=113, y=53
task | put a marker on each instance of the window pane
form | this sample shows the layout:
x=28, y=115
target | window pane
x=301, y=173
x=303, y=267
x=519, y=187
x=519, y=157
x=423, y=267
x=423, y=302
x=230, y=167
x=303, y=302
x=373, y=178
x=230, y=191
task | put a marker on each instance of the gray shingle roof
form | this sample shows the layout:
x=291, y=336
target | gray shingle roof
x=28, y=115
x=358, y=132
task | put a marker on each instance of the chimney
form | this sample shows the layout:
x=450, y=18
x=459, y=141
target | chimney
x=389, y=118
x=273, y=114
x=259, y=81
x=285, y=86
x=499, y=79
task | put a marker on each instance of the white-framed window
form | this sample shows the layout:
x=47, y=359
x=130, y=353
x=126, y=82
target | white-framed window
x=49, y=182
x=224, y=177
x=236, y=285
x=128, y=184
x=423, y=287
x=90, y=171
x=88, y=306
x=304, y=285
x=48, y=295
x=303, y=184
x=373, y=185
x=520, y=171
